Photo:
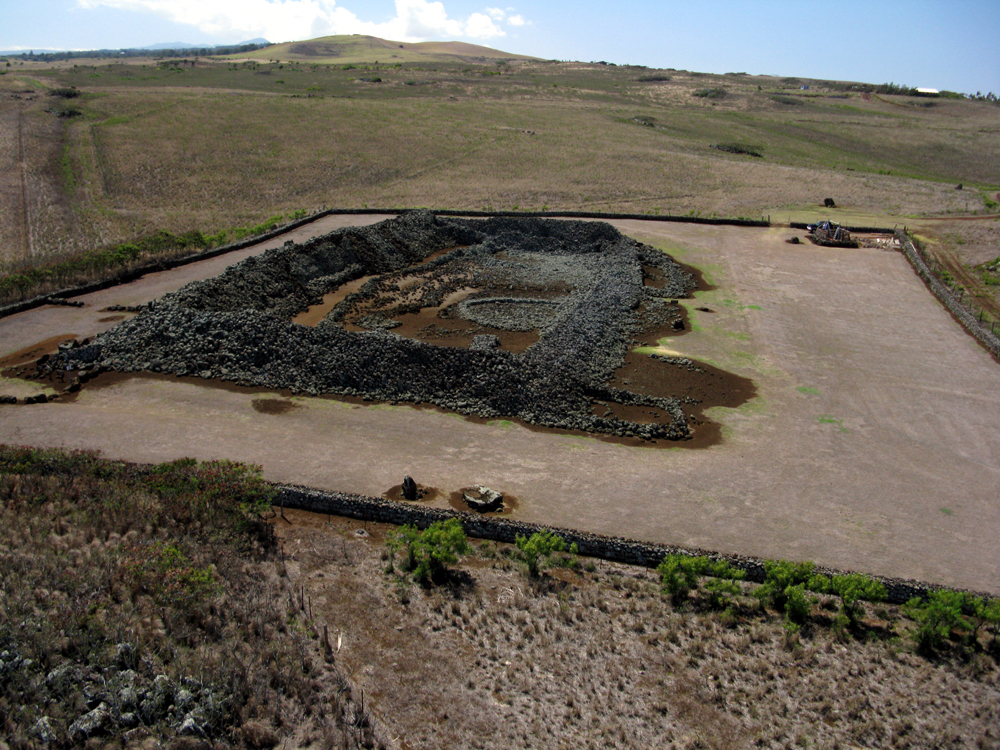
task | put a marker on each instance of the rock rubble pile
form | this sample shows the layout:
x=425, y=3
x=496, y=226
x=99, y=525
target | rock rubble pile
x=587, y=279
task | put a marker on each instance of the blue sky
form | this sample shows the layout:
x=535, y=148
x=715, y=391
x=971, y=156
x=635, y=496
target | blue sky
x=943, y=44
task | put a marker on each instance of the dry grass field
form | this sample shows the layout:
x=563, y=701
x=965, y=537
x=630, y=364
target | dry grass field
x=208, y=145
x=601, y=658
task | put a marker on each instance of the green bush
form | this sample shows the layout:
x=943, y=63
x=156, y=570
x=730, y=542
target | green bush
x=428, y=553
x=720, y=592
x=819, y=583
x=854, y=588
x=679, y=574
x=716, y=93
x=539, y=550
x=779, y=575
x=937, y=618
x=797, y=603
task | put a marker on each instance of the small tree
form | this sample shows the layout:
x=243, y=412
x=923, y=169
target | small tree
x=936, y=618
x=779, y=575
x=854, y=588
x=428, y=553
x=537, y=551
x=679, y=575
x=797, y=603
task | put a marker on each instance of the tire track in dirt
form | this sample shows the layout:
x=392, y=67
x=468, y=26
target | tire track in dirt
x=963, y=276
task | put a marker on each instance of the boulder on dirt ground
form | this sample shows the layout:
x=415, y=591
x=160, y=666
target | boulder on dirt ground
x=409, y=488
x=483, y=499
x=829, y=203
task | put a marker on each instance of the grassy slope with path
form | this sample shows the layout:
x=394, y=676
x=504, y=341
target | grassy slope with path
x=208, y=144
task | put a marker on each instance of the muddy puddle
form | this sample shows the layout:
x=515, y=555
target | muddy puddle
x=315, y=313
x=273, y=405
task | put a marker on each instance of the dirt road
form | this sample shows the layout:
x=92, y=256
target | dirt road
x=871, y=444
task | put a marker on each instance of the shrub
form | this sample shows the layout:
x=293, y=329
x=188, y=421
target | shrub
x=428, y=553
x=716, y=93
x=797, y=603
x=739, y=148
x=70, y=92
x=166, y=574
x=720, y=592
x=937, y=618
x=819, y=583
x=856, y=587
x=538, y=550
x=779, y=575
x=679, y=574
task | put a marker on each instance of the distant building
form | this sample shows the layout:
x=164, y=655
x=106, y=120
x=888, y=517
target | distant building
x=928, y=92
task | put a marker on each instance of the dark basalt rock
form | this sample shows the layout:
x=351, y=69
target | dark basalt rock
x=236, y=326
x=409, y=488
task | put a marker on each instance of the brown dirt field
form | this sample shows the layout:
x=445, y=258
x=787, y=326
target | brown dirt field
x=870, y=444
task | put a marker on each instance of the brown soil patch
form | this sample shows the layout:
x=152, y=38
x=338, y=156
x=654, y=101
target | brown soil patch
x=272, y=405
x=29, y=354
x=424, y=494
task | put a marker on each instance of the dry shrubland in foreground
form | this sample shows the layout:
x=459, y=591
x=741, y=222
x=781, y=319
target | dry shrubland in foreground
x=144, y=606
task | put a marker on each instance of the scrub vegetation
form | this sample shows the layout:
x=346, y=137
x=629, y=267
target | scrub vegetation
x=158, y=603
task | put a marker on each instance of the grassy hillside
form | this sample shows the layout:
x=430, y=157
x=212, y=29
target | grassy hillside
x=207, y=145
x=357, y=48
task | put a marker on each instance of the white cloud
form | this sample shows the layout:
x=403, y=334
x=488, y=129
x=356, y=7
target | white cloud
x=516, y=20
x=481, y=26
x=287, y=20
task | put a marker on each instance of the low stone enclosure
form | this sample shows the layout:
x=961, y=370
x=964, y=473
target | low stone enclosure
x=503, y=318
x=480, y=526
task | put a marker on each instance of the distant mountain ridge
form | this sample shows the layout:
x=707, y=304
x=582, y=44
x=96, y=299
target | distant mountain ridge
x=39, y=53
x=185, y=45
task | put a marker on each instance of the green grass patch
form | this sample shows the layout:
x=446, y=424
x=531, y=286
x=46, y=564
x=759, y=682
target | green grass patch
x=838, y=423
x=808, y=390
